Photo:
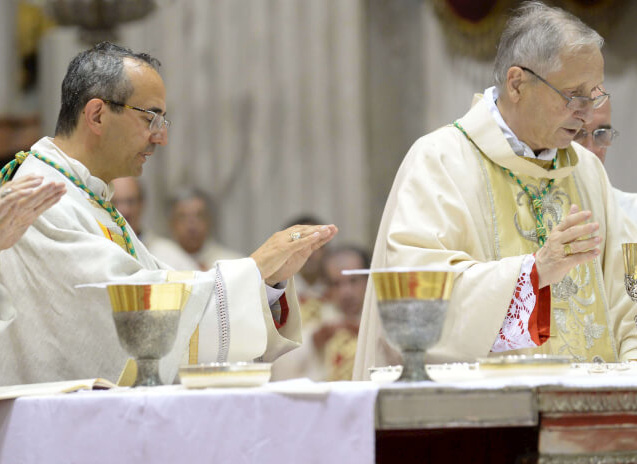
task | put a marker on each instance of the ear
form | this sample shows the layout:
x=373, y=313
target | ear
x=94, y=115
x=515, y=81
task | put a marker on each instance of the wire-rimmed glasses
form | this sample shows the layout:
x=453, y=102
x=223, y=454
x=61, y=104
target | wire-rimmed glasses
x=602, y=137
x=156, y=124
x=578, y=102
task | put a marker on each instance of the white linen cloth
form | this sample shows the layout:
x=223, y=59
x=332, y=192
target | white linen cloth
x=62, y=333
x=173, y=425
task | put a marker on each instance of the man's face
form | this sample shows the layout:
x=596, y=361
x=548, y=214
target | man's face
x=601, y=120
x=127, y=139
x=128, y=201
x=347, y=292
x=546, y=121
x=190, y=224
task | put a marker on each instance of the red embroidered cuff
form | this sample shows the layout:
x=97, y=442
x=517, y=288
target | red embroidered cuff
x=540, y=319
x=285, y=310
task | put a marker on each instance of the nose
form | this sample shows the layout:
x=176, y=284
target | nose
x=585, y=114
x=161, y=137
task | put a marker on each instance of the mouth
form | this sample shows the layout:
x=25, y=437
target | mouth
x=571, y=132
x=144, y=156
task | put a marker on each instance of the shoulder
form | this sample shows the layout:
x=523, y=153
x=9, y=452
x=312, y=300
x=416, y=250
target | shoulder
x=444, y=150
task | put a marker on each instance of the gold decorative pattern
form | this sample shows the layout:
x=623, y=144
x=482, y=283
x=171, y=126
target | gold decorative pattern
x=560, y=402
x=614, y=458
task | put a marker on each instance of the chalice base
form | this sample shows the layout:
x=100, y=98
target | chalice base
x=413, y=367
x=147, y=373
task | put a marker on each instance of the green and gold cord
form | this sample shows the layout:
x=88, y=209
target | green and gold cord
x=536, y=200
x=7, y=173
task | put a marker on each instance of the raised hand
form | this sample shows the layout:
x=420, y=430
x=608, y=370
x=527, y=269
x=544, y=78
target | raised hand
x=21, y=202
x=569, y=244
x=285, y=252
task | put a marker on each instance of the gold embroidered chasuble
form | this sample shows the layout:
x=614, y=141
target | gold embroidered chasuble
x=452, y=205
x=579, y=312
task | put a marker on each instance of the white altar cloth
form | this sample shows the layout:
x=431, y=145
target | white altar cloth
x=299, y=423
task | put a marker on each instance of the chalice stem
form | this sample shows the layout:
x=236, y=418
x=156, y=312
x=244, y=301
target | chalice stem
x=147, y=373
x=413, y=367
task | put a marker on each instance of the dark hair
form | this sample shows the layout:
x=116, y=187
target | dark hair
x=96, y=73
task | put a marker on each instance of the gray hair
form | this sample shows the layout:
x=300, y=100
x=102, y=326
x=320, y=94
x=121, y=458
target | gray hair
x=96, y=73
x=188, y=193
x=536, y=36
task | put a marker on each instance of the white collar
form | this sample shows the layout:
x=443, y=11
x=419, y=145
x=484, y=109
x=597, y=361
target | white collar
x=46, y=148
x=519, y=147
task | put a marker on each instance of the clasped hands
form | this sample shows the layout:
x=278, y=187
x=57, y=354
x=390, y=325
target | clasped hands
x=285, y=252
x=570, y=243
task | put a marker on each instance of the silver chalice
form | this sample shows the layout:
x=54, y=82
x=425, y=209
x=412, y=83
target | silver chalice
x=412, y=307
x=147, y=317
x=630, y=269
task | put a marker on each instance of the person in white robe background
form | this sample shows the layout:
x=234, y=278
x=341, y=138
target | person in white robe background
x=191, y=220
x=329, y=347
x=113, y=115
x=524, y=217
x=597, y=136
x=192, y=224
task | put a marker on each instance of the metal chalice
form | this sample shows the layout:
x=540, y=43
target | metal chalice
x=413, y=307
x=630, y=269
x=147, y=317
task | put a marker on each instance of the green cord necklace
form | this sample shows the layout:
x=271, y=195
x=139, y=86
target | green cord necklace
x=536, y=200
x=7, y=172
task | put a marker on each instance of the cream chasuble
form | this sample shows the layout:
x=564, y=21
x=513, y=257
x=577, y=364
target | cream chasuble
x=62, y=333
x=455, y=206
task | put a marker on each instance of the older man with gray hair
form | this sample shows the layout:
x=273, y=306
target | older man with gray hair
x=525, y=217
x=192, y=224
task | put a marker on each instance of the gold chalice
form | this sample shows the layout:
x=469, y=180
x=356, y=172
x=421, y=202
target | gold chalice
x=147, y=317
x=413, y=306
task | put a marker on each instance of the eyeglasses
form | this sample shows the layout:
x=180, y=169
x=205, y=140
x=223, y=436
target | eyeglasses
x=156, y=124
x=577, y=103
x=602, y=137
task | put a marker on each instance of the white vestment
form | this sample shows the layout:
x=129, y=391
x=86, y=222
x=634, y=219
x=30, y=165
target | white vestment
x=628, y=203
x=442, y=211
x=61, y=332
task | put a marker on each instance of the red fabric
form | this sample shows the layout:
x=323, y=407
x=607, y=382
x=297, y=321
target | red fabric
x=540, y=319
x=285, y=310
x=471, y=10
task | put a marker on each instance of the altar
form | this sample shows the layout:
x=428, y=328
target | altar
x=586, y=416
